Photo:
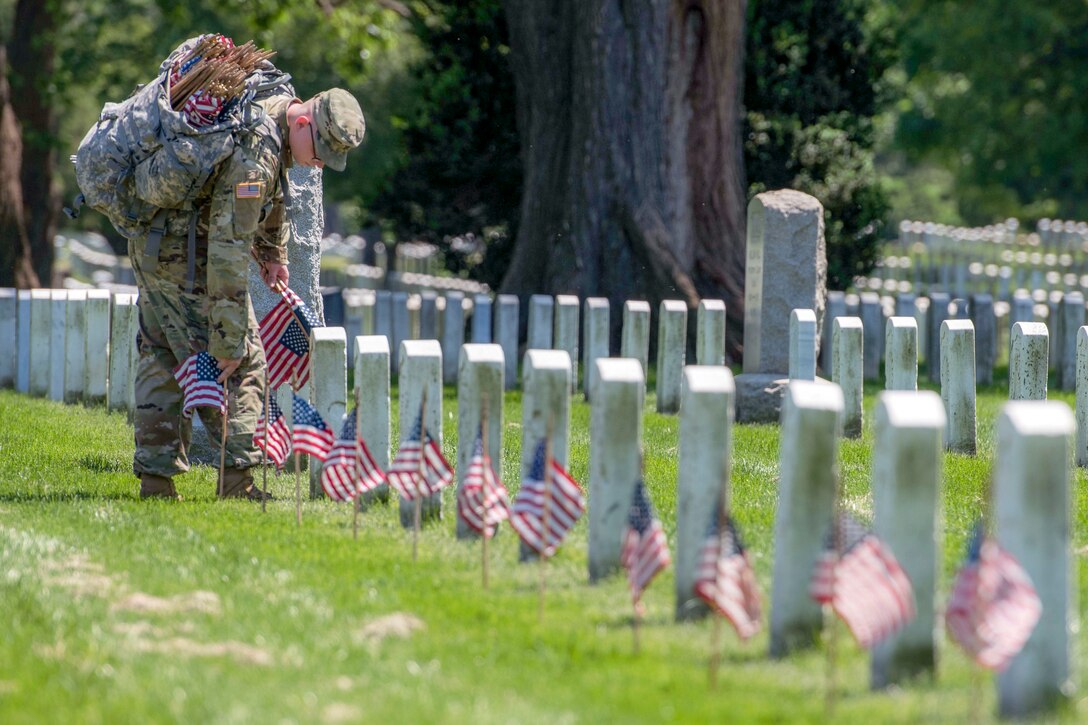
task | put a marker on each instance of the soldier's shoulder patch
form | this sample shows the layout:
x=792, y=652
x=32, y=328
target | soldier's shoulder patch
x=248, y=190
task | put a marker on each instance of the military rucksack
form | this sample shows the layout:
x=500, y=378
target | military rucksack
x=142, y=156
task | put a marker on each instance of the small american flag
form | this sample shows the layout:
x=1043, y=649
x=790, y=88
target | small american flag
x=645, y=548
x=197, y=378
x=285, y=335
x=408, y=476
x=994, y=607
x=864, y=584
x=567, y=504
x=483, y=501
x=279, y=435
x=349, y=469
x=248, y=190
x=725, y=580
x=309, y=432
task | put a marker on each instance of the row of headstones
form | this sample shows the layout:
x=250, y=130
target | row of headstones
x=69, y=345
x=554, y=323
x=1064, y=315
x=1031, y=479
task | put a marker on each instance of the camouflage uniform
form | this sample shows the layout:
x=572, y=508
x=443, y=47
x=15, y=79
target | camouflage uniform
x=217, y=314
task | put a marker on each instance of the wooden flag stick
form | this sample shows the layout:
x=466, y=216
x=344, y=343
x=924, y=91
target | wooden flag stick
x=545, y=515
x=418, y=514
x=483, y=490
x=223, y=443
x=298, y=491
x=264, y=452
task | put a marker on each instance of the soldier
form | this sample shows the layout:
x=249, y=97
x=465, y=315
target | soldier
x=195, y=297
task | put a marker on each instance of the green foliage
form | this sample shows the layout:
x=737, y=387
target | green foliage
x=994, y=93
x=462, y=171
x=813, y=82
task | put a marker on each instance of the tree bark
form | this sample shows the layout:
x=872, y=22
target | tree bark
x=16, y=268
x=629, y=114
x=33, y=59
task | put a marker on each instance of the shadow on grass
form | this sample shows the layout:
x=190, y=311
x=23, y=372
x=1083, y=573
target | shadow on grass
x=62, y=496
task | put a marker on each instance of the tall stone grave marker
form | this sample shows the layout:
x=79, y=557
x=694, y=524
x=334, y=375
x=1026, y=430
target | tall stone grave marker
x=672, y=345
x=901, y=354
x=372, y=411
x=1028, y=360
x=96, y=352
x=328, y=386
x=565, y=332
x=540, y=322
x=421, y=370
x=958, y=384
x=786, y=270
x=506, y=335
x=479, y=387
x=848, y=345
x=58, y=320
x=22, y=362
x=635, y=338
x=597, y=333
x=453, y=335
x=803, y=345
x=9, y=328
x=710, y=333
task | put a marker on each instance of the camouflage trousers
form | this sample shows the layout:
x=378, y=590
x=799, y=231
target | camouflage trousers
x=173, y=326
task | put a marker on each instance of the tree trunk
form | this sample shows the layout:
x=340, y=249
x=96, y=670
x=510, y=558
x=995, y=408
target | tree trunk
x=16, y=268
x=629, y=114
x=33, y=58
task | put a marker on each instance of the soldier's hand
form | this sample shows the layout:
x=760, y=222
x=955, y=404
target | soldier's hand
x=227, y=368
x=275, y=275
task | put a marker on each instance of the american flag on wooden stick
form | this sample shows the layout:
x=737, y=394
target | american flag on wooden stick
x=994, y=607
x=645, y=548
x=483, y=501
x=862, y=581
x=566, y=505
x=725, y=580
x=197, y=377
x=349, y=469
x=279, y=435
x=285, y=335
x=309, y=432
x=411, y=478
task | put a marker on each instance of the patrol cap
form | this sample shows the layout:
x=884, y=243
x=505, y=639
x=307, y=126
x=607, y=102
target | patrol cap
x=340, y=126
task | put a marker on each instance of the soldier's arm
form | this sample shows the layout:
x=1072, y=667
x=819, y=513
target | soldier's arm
x=243, y=188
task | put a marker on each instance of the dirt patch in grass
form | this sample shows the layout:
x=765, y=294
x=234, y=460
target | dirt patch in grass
x=198, y=602
x=398, y=624
x=240, y=652
x=341, y=712
x=80, y=576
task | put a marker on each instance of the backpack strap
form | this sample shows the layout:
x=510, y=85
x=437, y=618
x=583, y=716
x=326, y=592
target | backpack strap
x=154, y=240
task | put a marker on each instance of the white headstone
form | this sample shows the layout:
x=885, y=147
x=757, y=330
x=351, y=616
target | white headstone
x=124, y=321
x=453, y=335
x=479, y=386
x=786, y=269
x=710, y=333
x=848, y=344
x=481, y=319
x=672, y=346
x=1071, y=320
x=635, y=337
x=540, y=323
x=705, y=464
x=421, y=370
x=383, y=314
x=372, y=409
x=41, y=332
x=802, y=345
x=908, y=459
x=597, y=336
x=1028, y=359
x=808, y=476
x=982, y=316
x=872, y=318
x=97, y=341
x=506, y=335
x=401, y=326
x=901, y=354
x=545, y=402
x=936, y=314
x=836, y=307
x=958, y=384
x=58, y=342
x=1081, y=449
x=328, y=386
x=565, y=333
x=9, y=321
x=428, y=315
x=22, y=362
x=1033, y=508
x=75, y=346
x=615, y=460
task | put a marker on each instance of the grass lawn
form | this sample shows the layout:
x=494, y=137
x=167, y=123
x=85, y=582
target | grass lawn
x=118, y=610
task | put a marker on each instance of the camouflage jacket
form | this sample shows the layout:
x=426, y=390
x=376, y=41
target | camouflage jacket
x=242, y=207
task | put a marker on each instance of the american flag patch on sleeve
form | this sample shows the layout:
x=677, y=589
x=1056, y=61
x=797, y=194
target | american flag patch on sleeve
x=248, y=190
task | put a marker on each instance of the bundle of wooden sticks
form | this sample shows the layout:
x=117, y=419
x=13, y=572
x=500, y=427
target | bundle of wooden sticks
x=217, y=67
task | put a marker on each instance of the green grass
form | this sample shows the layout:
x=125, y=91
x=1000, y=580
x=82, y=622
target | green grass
x=278, y=632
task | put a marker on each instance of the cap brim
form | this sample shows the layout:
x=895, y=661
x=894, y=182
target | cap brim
x=335, y=160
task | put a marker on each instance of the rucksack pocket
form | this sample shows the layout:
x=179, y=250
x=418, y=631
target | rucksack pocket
x=172, y=177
